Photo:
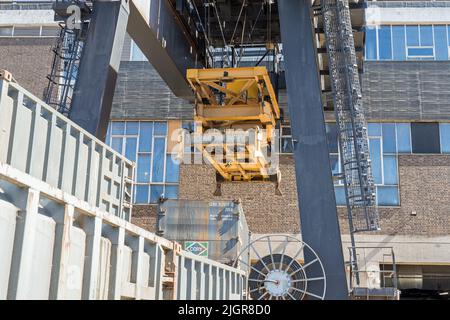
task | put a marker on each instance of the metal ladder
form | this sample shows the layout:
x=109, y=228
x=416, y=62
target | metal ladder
x=67, y=55
x=352, y=128
x=66, y=59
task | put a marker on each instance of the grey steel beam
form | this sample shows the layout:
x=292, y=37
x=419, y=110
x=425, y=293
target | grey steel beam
x=318, y=214
x=99, y=66
x=157, y=29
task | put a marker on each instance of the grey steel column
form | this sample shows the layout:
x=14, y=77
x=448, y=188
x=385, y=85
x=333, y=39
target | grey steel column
x=94, y=90
x=318, y=214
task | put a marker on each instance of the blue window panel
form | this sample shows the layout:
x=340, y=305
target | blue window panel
x=161, y=128
x=444, y=129
x=387, y=196
x=371, y=43
x=374, y=129
x=420, y=52
x=389, y=143
x=159, y=152
x=448, y=34
x=403, y=137
x=286, y=145
x=412, y=35
x=441, y=45
x=426, y=35
x=172, y=169
x=116, y=144
x=398, y=42
x=171, y=192
x=141, y=194
x=332, y=137
x=130, y=148
x=188, y=125
x=132, y=127
x=390, y=170
x=145, y=136
x=339, y=193
x=155, y=192
x=108, y=135
x=137, y=54
x=375, y=156
x=384, y=40
x=334, y=163
x=143, y=168
x=118, y=127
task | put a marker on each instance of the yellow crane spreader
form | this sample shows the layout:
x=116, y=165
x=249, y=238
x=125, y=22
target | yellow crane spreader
x=240, y=104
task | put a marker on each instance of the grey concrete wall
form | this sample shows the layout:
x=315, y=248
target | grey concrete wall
x=142, y=94
x=407, y=249
x=406, y=90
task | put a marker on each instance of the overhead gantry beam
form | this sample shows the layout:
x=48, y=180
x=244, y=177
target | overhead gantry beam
x=157, y=30
x=99, y=66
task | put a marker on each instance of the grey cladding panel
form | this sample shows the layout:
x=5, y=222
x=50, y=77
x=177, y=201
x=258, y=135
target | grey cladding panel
x=126, y=51
x=392, y=90
x=407, y=90
x=142, y=94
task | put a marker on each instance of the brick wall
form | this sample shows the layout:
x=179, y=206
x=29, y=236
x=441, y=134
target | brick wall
x=29, y=60
x=264, y=210
x=424, y=188
x=144, y=216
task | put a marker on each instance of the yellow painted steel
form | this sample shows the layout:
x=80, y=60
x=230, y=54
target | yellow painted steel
x=236, y=98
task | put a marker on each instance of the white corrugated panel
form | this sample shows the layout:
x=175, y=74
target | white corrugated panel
x=8, y=214
x=41, y=271
x=74, y=271
x=104, y=266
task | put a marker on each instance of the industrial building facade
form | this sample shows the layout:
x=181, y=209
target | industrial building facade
x=406, y=93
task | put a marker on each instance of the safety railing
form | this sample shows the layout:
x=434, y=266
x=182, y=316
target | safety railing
x=201, y=280
x=376, y=275
x=39, y=141
x=56, y=246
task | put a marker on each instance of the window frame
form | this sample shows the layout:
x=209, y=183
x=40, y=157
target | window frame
x=420, y=57
x=38, y=28
x=406, y=56
x=150, y=153
x=437, y=124
x=287, y=136
x=339, y=184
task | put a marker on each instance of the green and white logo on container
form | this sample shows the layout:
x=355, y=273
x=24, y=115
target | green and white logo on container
x=197, y=248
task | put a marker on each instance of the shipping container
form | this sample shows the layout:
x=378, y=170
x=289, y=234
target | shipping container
x=214, y=229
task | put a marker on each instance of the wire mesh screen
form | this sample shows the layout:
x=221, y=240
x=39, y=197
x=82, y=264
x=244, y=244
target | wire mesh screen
x=352, y=127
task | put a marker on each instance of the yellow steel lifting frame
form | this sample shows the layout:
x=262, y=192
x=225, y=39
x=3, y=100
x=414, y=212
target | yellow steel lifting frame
x=240, y=99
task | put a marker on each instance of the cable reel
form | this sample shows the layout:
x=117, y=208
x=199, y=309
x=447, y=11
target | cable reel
x=277, y=269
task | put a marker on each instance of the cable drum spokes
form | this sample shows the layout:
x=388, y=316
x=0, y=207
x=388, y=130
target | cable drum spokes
x=276, y=273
